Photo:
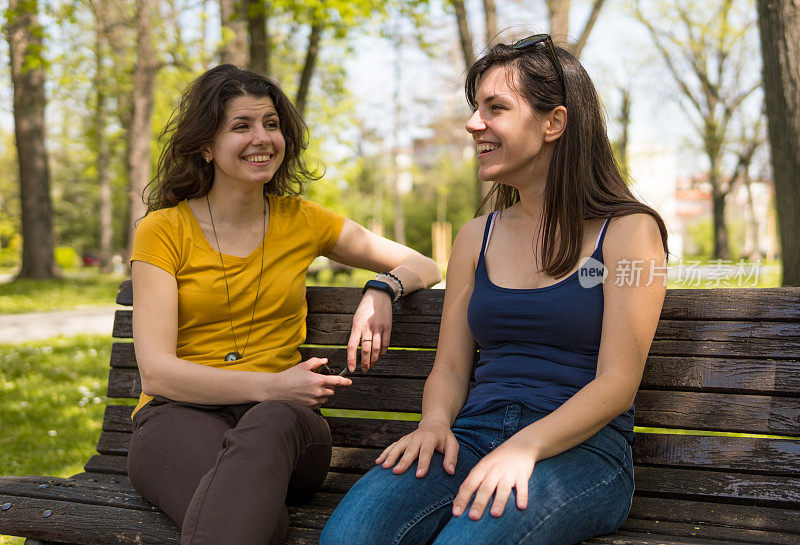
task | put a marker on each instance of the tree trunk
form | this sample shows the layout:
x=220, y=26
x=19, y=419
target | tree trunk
x=464, y=34
x=490, y=16
x=308, y=66
x=558, y=12
x=779, y=23
x=256, y=13
x=28, y=79
x=718, y=211
x=625, y=123
x=234, y=34
x=754, y=227
x=101, y=144
x=140, y=133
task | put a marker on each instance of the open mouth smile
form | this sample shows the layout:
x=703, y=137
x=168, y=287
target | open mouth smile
x=486, y=148
x=263, y=159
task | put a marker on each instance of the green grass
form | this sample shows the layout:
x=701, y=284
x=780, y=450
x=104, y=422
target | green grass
x=355, y=279
x=75, y=288
x=52, y=399
x=768, y=275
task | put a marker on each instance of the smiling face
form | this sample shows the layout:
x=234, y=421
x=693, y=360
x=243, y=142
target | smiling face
x=509, y=134
x=249, y=146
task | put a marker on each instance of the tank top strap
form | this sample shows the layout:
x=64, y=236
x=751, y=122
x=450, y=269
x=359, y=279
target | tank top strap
x=487, y=232
x=602, y=235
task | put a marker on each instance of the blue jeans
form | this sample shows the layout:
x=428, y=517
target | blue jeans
x=583, y=492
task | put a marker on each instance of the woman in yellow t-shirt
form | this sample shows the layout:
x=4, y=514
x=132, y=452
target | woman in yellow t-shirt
x=227, y=426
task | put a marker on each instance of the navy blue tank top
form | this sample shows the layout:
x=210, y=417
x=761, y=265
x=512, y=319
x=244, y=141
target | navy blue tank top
x=538, y=346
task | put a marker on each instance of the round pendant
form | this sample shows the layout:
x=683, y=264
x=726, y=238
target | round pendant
x=233, y=356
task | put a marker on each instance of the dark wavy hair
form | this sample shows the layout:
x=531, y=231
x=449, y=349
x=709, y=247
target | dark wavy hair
x=182, y=171
x=583, y=180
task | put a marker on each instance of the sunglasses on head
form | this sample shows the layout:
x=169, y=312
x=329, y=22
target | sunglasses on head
x=547, y=41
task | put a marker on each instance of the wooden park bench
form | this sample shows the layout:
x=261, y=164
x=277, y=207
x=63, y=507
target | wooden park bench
x=722, y=361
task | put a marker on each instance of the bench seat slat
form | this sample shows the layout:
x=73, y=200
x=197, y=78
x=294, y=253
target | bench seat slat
x=720, y=514
x=651, y=538
x=75, y=490
x=102, y=478
x=82, y=523
x=679, y=304
x=697, y=531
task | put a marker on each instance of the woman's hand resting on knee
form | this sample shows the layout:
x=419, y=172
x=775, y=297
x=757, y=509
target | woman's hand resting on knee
x=508, y=466
x=300, y=383
x=420, y=444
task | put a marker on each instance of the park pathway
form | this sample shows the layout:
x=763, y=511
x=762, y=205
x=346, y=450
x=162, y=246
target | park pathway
x=19, y=328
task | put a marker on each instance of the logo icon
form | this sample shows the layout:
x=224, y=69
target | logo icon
x=591, y=273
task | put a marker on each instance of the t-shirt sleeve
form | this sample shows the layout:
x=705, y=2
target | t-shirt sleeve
x=327, y=226
x=155, y=242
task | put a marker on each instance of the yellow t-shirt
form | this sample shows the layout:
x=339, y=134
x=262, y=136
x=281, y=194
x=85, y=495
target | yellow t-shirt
x=298, y=232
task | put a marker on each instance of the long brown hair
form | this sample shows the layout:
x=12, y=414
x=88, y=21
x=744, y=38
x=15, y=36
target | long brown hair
x=182, y=171
x=583, y=179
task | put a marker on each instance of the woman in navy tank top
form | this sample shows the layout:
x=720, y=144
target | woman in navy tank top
x=560, y=290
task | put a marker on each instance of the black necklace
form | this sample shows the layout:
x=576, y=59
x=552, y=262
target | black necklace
x=235, y=354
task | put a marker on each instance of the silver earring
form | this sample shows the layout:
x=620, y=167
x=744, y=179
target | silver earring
x=208, y=159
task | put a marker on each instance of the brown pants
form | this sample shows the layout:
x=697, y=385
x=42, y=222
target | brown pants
x=224, y=473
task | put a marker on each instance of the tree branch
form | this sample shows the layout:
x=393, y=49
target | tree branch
x=577, y=48
x=682, y=84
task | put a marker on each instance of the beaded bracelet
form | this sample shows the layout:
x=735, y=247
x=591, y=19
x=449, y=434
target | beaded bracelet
x=388, y=276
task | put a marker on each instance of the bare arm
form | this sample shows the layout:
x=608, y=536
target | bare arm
x=372, y=321
x=446, y=387
x=155, y=333
x=359, y=247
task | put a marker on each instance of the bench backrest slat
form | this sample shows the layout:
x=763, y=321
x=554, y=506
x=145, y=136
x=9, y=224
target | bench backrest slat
x=774, y=304
x=690, y=373
x=683, y=410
